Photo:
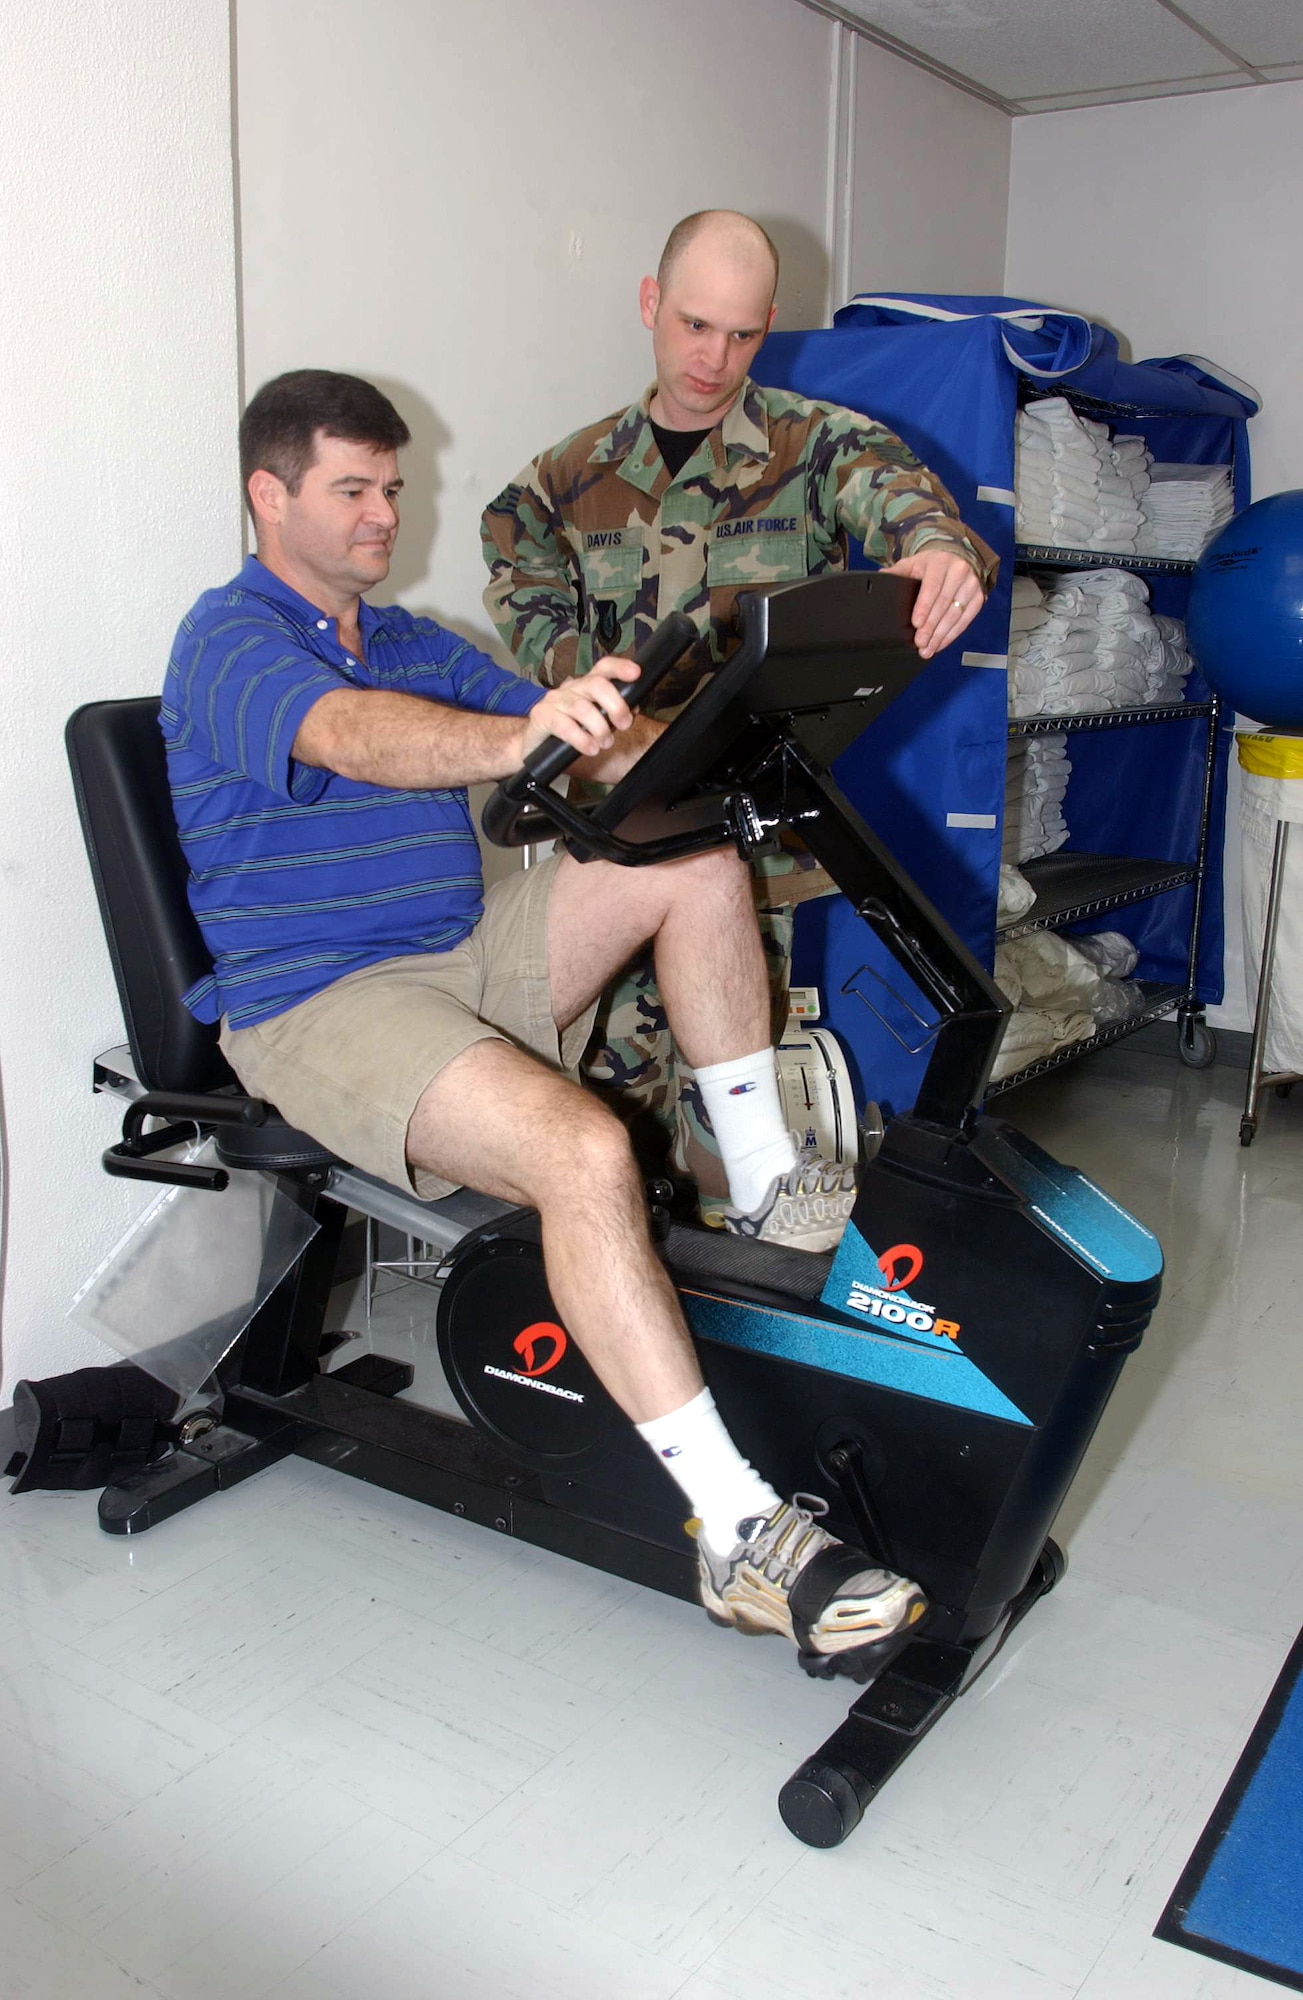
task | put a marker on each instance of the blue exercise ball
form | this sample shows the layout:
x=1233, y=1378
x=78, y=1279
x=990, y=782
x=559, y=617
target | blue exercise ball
x=1244, y=615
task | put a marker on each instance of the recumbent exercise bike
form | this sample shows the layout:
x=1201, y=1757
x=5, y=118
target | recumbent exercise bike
x=936, y=1378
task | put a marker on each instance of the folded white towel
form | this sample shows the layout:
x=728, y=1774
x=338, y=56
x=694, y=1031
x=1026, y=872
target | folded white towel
x=1076, y=487
x=1040, y=825
x=1185, y=507
x=1096, y=646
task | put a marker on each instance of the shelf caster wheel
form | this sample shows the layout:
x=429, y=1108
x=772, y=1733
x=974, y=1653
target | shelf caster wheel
x=1283, y=1089
x=1197, y=1045
x=820, y=1804
x=1248, y=1126
x=1050, y=1565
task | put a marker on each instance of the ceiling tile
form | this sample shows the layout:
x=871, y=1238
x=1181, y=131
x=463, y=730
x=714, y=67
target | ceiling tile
x=1262, y=31
x=1135, y=92
x=1282, y=72
x=1026, y=48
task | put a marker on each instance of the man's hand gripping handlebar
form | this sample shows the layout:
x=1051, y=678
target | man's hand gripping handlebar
x=516, y=812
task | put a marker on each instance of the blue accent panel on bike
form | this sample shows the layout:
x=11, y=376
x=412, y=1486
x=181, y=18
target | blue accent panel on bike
x=939, y=1372
x=1102, y=1234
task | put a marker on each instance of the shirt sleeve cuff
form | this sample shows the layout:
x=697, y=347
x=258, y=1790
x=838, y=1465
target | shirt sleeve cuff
x=301, y=782
x=984, y=561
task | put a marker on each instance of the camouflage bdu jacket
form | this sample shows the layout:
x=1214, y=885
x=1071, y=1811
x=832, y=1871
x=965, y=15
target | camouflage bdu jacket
x=593, y=544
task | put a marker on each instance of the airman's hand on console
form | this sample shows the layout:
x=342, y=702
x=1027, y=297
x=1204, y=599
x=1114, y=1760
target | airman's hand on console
x=949, y=596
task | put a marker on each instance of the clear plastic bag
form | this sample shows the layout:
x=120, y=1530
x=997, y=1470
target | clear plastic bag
x=1118, y=1000
x=175, y=1294
x=1114, y=953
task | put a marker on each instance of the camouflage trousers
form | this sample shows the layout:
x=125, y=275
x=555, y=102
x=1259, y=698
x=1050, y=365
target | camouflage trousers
x=631, y=1059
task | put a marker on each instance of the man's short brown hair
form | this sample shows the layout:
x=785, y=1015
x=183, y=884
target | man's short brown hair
x=278, y=431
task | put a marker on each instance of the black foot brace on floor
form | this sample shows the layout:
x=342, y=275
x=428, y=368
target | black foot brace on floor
x=88, y=1429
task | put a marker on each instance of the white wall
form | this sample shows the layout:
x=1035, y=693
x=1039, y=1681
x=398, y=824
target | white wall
x=502, y=175
x=118, y=399
x=931, y=182
x=470, y=225
x=1177, y=222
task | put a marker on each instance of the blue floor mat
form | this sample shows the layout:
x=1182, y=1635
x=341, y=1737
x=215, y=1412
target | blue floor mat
x=1240, y=1898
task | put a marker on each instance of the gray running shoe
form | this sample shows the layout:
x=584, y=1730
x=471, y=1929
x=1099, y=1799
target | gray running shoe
x=806, y=1208
x=786, y=1574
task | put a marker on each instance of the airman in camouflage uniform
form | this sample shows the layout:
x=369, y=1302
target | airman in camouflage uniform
x=596, y=542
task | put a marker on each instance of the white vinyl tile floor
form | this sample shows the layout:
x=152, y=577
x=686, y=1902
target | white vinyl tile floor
x=314, y=1741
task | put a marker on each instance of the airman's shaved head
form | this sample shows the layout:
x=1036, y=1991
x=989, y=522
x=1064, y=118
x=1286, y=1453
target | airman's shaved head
x=721, y=233
x=709, y=307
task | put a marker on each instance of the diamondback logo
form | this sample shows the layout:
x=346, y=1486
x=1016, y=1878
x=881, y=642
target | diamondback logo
x=540, y=1348
x=890, y=1304
x=900, y=1266
x=547, y=1334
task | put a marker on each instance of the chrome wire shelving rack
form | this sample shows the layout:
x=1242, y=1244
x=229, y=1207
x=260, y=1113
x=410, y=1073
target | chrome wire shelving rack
x=1072, y=888
x=1048, y=555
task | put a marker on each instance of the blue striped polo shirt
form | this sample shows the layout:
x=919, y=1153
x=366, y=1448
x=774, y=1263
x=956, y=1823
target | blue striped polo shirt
x=298, y=876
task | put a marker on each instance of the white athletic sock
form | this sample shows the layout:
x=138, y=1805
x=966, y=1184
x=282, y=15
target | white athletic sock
x=698, y=1453
x=746, y=1112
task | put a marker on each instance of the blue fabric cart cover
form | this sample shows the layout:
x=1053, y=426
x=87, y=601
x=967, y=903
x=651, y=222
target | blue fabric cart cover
x=1045, y=342
x=947, y=373
x=1035, y=339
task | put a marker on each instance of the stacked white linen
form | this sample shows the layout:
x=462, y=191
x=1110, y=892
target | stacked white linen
x=1122, y=496
x=1076, y=487
x=1095, y=646
x=1051, y=988
x=1032, y=1033
x=1062, y=989
x=1168, y=665
x=1015, y=780
x=1027, y=610
x=1035, y=784
x=1184, y=507
x=1056, y=476
x=1027, y=616
x=1053, y=670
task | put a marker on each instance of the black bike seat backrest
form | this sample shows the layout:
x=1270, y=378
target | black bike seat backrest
x=119, y=774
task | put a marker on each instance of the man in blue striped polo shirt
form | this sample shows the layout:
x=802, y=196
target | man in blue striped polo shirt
x=319, y=750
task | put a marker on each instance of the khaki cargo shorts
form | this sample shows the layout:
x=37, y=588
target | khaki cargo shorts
x=349, y=1065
